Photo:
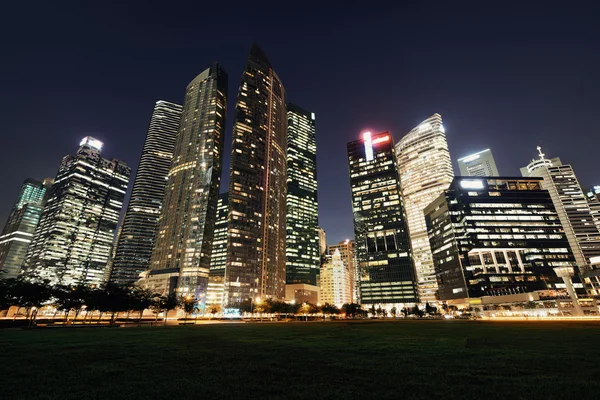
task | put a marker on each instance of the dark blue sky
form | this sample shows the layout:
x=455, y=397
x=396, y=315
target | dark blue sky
x=508, y=77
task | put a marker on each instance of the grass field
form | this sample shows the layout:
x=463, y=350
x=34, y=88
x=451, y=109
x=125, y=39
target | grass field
x=330, y=360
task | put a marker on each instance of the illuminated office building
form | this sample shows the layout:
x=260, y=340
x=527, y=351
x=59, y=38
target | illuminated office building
x=335, y=281
x=497, y=239
x=478, y=164
x=20, y=227
x=322, y=240
x=302, y=218
x=218, y=257
x=73, y=240
x=387, y=273
x=187, y=221
x=425, y=170
x=347, y=250
x=137, y=233
x=575, y=212
x=257, y=186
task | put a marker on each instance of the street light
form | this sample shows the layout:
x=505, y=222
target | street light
x=252, y=300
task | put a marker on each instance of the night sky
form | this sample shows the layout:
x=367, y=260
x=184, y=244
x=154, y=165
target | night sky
x=507, y=77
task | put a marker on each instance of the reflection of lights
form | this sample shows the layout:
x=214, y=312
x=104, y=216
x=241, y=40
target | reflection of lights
x=257, y=300
x=368, y=146
x=472, y=184
x=381, y=139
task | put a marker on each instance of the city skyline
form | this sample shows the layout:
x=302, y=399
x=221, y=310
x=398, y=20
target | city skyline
x=489, y=96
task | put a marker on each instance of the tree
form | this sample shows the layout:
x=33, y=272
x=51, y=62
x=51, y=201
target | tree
x=214, y=309
x=379, y=311
x=67, y=298
x=140, y=299
x=168, y=303
x=372, y=310
x=188, y=304
x=393, y=311
x=404, y=311
x=416, y=311
x=352, y=310
x=30, y=295
x=112, y=299
x=330, y=309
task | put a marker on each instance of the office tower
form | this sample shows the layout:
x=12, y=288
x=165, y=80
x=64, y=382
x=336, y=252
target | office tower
x=302, y=217
x=336, y=281
x=347, y=251
x=137, y=233
x=20, y=227
x=73, y=240
x=576, y=216
x=387, y=273
x=425, y=170
x=498, y=239
x=322, y=240
x=218, y=257
x=478, y=164
x=187, y=220
x=257, y=186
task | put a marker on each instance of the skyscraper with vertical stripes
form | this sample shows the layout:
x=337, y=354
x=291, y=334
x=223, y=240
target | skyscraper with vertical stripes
x=257, y=186
x=137, y=234
x=187, y=221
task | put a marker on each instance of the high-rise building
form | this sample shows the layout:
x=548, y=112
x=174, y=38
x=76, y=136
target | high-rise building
x=336, y=281
x=347, y=250
x=425, y=170
x=574, y=211
x=20, y=227
x=137, y=233
x=478, y=164
x=257, y=186
x=498, y=239
x=218, y=257
x=302, y=219
x=387, y=273
x=322, y=240
x=73, y=240
x=187, y=221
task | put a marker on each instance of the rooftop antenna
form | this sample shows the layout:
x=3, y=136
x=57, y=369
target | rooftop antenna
x=539, y=149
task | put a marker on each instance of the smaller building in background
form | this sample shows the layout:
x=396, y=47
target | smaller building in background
x=322, y=241
x=347, y=251
x=302, y=293
x=20, y=226
x=478, y=164
x=218, y=257
x=336, y=281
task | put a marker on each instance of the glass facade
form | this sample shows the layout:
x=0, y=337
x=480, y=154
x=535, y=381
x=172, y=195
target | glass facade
x=20, y=227
x=187, y=221
x=138, y=231
x=425, y=170
x=478, y=164
x=302, y=219
x=73, y=241
x=497, y=237
x=387, y=273
x=257, y=186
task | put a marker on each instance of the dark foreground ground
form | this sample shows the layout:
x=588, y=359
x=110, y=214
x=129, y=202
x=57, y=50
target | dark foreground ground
x=333, y=360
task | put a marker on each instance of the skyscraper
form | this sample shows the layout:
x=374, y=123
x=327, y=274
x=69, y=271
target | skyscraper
x=322, y=240
x=478, y=164
x=347, y=250
x=218, y=257
x=425, y=170
x=73, y=240
x=257, y=186
x=187, y=221
x=20, y=227
x=138, y=231
x=387, y=273
x=302, y=220
x=498, y=239
x=576, y=216
x=335, y=281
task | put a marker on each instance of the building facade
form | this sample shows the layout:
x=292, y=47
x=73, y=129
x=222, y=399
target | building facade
x=20, y=227
x=303, y=259
x=257, y=186
x=575, y=213
x=478, y=164
x=73, y=241
x=322, y=240
x=137, y=233
x=498, y=238
x=187, y=222
x=347, y=250
x=425, y=170
x=387, y=273
x=336, y=281
x=218, y=257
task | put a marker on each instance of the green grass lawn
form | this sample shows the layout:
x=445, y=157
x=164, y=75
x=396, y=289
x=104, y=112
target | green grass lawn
x=333, y=360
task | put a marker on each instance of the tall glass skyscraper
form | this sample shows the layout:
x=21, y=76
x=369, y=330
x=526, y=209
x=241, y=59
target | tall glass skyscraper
x=73, y=241
x=387, y=273
x=218, y=256
x=478, y=164
x=20, y=227
x=425, y=170
x=187, y=221
x=137, y=234
x=257, y=186
x=302, y=220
